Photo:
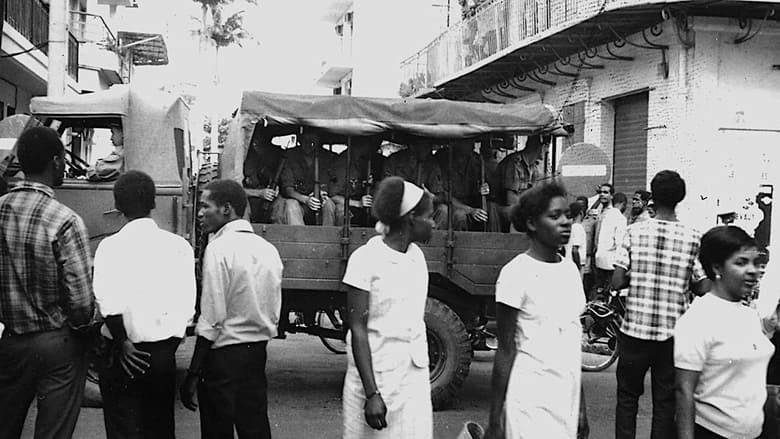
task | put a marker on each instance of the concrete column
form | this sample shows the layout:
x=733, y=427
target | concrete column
x=58, y=47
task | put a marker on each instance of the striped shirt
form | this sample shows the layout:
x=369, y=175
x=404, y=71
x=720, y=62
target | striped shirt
x=661, y=257
x=45, y=280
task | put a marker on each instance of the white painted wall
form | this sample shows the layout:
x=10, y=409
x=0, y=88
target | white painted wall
x=714, y=85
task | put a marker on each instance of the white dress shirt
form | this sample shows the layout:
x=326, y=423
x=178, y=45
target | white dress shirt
x=242, y=287
x=147, y=275
x=610, y=237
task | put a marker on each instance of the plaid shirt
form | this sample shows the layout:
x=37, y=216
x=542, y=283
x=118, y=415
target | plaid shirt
x=661, y=257
x=45, y=279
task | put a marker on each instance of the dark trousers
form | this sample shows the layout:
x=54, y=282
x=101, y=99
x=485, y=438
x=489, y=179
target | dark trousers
x=700, y=432
x=636, y=357
x=142, y=407
x=233, y=392
x=50, y=365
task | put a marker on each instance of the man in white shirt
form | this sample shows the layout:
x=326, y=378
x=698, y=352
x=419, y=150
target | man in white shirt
x=610, y=229
x=240, y=307
x=144, y=282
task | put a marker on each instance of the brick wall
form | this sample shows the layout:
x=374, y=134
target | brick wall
x=715, y=85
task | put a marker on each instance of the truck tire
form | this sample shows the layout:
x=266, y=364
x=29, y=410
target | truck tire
x=449, y=352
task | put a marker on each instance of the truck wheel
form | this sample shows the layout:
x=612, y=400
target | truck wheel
x=449, y=351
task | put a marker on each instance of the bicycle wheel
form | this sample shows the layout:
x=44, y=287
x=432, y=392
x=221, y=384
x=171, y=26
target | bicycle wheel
x=324, y=321
x=599, y=344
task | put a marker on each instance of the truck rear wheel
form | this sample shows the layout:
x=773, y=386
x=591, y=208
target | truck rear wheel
x=449, y=351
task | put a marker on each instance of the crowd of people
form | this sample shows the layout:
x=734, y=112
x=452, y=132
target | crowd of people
x=708, y=359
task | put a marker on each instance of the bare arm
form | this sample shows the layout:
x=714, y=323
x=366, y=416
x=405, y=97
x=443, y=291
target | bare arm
x=686, y=381
x=357, y=316
x=506, y=317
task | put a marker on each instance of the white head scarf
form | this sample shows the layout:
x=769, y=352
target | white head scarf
x=412, y=195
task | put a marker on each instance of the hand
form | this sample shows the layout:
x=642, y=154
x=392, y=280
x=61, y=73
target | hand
x=269, y=194
x=187, y=391
x=479, y=215
x=375, y=411
x=366, y=201
x=132, y=360
x=484, y=189
x=313, y=203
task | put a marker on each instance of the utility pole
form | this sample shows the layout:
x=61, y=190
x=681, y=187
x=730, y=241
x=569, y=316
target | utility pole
x=58, y=47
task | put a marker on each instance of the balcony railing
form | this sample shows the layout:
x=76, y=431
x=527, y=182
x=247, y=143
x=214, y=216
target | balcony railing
x=31, y=19
x=495, y=26
x=73, y=57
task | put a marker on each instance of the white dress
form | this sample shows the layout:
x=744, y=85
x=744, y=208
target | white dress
x=543, y=394
x=397, y=284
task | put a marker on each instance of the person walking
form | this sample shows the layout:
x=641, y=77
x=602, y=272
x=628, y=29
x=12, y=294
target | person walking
x=539, y=297
x=387, y=392
x=45, y=295
x=721, y=352
x=240, y=307
x=144, y=282
x=657, y=263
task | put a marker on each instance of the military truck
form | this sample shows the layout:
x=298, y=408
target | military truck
x=463, y=265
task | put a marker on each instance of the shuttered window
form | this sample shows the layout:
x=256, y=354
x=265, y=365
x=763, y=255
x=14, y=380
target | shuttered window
x=630, y=153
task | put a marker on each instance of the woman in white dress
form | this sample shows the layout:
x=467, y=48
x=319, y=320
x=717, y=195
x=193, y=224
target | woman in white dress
x=539, y=298
x=387, y=392
x=721, y=346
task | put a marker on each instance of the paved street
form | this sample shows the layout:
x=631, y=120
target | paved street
x=305, y=393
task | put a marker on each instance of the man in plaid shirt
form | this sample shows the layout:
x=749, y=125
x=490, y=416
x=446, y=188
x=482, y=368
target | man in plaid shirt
x=658, y=263
x=45, y=294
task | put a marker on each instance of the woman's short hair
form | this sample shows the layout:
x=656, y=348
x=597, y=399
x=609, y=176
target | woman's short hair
x=387, y=201
x=575, y=209
x=533, y=203
x=36, y=147
x=667, y=188
x=134, y=193
x=223, y=192
x=719, y=244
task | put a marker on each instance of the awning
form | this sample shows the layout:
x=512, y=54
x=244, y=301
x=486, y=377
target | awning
x=148, y=49
x=546, y=48
x=354, y=116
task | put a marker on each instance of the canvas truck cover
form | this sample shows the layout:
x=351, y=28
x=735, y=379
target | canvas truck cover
x=155, y=125
x=355, y=116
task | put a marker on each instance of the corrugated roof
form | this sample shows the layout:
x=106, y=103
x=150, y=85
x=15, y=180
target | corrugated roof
x=148, y=49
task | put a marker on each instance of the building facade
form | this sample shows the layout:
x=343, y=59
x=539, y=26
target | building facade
x=685, y=85
x=98, y=55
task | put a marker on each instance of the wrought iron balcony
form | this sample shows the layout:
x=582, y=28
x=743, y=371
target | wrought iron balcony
x=508, y=38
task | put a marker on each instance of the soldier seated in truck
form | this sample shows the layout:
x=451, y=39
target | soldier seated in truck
x=466, y=185
x=108, y=167
x=417, y=164
x=299, y=184
x=365, y=170
x=262, y=171
x=516, y=173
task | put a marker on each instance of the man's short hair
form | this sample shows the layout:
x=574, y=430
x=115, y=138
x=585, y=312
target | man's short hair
x=609, y=185
x=643, y=195
x=223, y=192
x=36, y=147
x=134, y=194
x=619, y=197
x=667, y=188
